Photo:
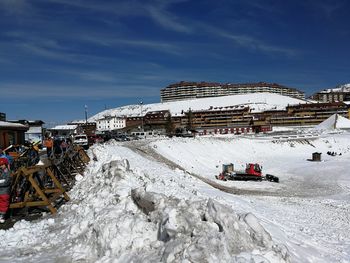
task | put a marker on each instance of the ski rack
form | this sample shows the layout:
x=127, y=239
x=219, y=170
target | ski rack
x=45, y=186
x=37, y=186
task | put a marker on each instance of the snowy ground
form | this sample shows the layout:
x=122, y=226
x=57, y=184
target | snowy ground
x=311, y=203
x=133, y=206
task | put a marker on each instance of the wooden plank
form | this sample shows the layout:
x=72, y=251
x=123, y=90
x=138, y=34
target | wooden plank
x=57, y=183
x=41, y=194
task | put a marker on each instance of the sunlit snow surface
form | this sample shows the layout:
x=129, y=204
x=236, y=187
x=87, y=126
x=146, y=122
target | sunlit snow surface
x=257, y=102
x=129, y=207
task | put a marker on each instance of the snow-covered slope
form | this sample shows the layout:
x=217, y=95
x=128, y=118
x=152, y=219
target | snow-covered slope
x=257, y=102
x=133, y=208
x=311, y=202
x=127, y=208
x=334, y=122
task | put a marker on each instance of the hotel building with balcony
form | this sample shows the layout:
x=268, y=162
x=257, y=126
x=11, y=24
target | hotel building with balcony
x=193, y=90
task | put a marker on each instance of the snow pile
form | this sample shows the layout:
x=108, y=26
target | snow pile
x=256, y=101
x=334, y=122
x=131, y=207
x=121, y=212
x=311, y=202
x=206, y=231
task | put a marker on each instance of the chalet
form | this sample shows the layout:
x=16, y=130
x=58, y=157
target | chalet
x=88, y=128
x=35, y=129
x=12, y=133
x=155, y=118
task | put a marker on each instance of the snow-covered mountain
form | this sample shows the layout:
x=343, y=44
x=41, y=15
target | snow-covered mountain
x=256, y=101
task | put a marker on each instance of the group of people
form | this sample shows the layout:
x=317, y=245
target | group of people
x=333, y=153
x=56, y=146
x=5, y=184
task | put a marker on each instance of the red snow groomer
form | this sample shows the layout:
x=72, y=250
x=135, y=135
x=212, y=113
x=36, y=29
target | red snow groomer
x=252, y=172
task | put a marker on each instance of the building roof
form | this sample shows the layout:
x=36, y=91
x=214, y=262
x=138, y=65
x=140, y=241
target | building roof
x=318, y=104
x=5, y=124
x=64, y=127
x=77, y=121
x=29, y=122
x=341, y=88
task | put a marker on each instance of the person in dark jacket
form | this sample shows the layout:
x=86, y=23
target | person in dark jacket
x=48, y=144
x=57, y=150
x=5, y=188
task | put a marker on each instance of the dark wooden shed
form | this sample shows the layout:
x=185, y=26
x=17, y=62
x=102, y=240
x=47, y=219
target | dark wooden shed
x=316, y=157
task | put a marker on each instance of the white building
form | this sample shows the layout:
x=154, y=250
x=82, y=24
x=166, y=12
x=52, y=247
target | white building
x=64, y=130
x=110, y=123
x=35, y=132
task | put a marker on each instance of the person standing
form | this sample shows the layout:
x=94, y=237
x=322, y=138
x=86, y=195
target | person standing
x=8, y=157
x=57, y=150
x=64, y=145
x=48, y=144
x=5, y=188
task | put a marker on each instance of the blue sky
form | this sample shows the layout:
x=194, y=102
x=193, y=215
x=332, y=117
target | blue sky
x=58, y=55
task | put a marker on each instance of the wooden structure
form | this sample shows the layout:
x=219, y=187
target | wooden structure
x=316, y=157
x=11, y=133
x=35, y=187
x=44, y=186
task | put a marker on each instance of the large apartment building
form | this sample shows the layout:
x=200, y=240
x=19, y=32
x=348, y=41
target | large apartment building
x=339, y=93
x=192, y=90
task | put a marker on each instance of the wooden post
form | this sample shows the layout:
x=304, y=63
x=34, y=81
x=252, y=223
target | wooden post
x=42, y=195
x=57, y=183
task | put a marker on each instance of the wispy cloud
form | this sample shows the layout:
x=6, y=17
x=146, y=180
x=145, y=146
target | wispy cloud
x=267, y=7
x=108, y=41
x=159, y=12
x=15, y=7
x=253, y=43
x=327, y=8
x=45, y=52
x=5, y=61
x=42, y=90
x=165, y=19
x=155, y=10
x=258, y=44
x=57, y=50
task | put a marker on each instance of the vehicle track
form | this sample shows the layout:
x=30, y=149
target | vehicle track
x=143, y=148
x=294, y=189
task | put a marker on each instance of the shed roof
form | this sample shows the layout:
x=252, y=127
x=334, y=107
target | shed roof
x=9, y=125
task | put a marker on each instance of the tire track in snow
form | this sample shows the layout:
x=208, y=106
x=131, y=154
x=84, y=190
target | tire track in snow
x=292, y=189
x=142, y=147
